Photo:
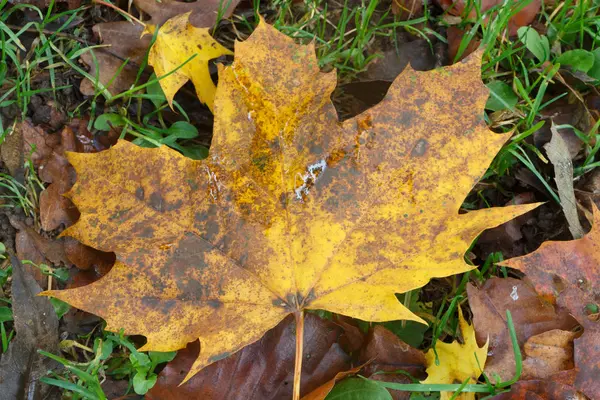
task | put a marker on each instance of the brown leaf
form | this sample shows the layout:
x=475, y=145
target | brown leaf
x=540, y=390
x=455, y=36
x=548, y=353
x=263, y=370
x=531, y=316
x=390, y=354
x=125, y=41
x=36, y=326
x=522, y=18
x=407, y=9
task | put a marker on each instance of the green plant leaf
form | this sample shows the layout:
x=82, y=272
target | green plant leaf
x=536, y=44
x=60, y=307
x=579, y=60
x=358, y=389
x=5, y=314
x=180, y=130
x=140, y=361
x=159, y=357
x=141, y=384
x=594, y=72
x=154, y=90
x=502, y=97
x=105, y=121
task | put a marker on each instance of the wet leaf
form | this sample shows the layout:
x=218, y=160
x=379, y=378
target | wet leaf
x=36, y=325
x=292, y=210
x=457, y=361
x=531, y=316
x=176, y=42
x=262, y=371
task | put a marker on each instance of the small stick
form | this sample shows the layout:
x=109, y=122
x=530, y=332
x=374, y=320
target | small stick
x=299, y=344
x=122, y=12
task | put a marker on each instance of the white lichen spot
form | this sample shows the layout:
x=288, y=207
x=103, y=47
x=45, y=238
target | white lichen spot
x=309, y=179
x=514, y=295
x=250, y=116
x=213, y=183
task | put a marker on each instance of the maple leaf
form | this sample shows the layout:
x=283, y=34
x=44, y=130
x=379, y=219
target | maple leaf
x=568, y=273
x=292, y=210
x=124, y=41
x=176, y=42
x=457, y=362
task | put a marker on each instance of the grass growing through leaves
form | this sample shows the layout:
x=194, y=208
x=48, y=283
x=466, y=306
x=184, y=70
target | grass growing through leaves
x=527, y=75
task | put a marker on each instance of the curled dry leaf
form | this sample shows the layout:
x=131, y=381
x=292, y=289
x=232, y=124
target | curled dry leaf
x=178, y=40
x=262, y=371
x=570, y=272
x=457, y=362
x=548, y=353
x=125, y=41
x=291, y=210
x=531, y=316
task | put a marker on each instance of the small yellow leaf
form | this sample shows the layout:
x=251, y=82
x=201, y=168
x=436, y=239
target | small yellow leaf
x=176, y=42
x=457, y=362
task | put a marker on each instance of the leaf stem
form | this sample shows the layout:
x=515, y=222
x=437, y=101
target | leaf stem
x=122, y=12
x=299, y=345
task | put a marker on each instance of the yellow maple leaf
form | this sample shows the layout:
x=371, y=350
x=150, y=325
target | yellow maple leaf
x=457, y=362
x=178, y=40
x=292, y=210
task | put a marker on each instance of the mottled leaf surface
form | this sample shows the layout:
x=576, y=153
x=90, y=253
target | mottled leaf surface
x=292, y=210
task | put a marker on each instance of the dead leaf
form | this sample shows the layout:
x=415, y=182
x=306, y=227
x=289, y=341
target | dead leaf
x=540, y=390
x=531, y=316
x=125, y=41
x=548, y=353
x=11, y=153
x=522, y=18
x=407, y=9
x=36, y=325
x=262, y=371
x=558, y=153
x=178, y=40
x=457, y=361
x=387, y=353
x=455, y=36
x=569, y=271
x=291, y=210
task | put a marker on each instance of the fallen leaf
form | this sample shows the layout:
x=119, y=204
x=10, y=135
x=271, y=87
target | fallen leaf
x=548, y=353
x=385, y=352
x=531, y=316
x=455, y=36
x=291, y=210
x=36, y=325
x=558, y=153
x=125, y=41
x=457, y=361
x=407, y=9
x=178, y=40
x=522, y=18
x=262, y=371
x=569, y=271
x=540, y=390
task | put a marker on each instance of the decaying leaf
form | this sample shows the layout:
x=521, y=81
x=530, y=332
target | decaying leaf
x=36, y=325
x=540, y=390
x=178, y=40
x=531, y=316
x=457, y=362
x=548, y=353
x=559, y=155
x=291, y=210
x=125, y=42
x=261, y=371
x=570, y=272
